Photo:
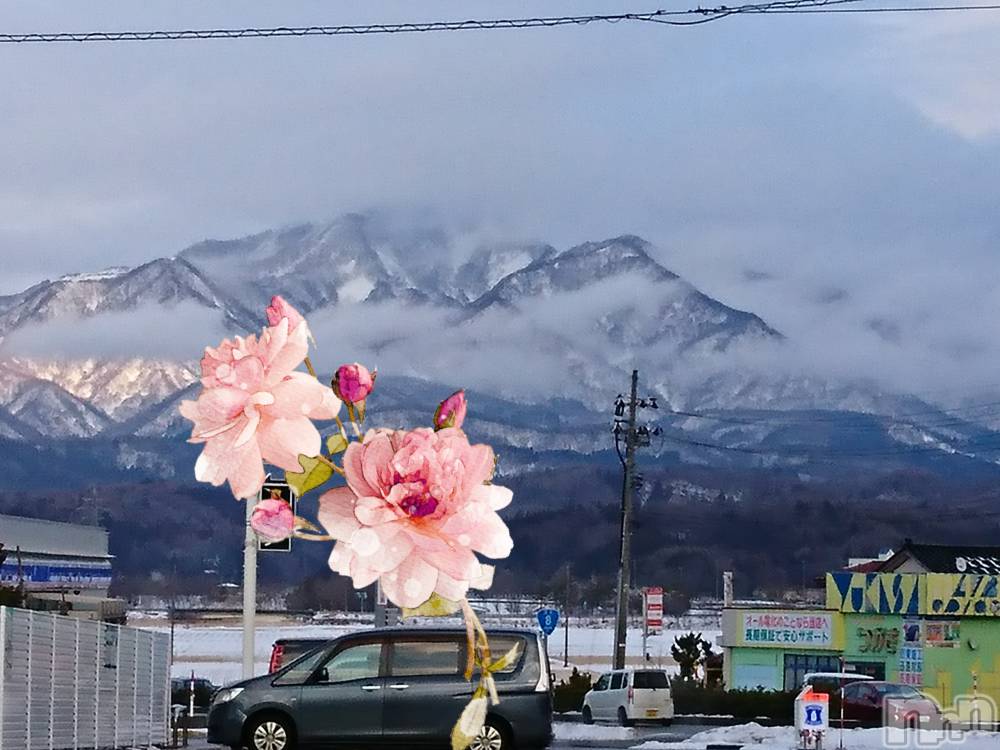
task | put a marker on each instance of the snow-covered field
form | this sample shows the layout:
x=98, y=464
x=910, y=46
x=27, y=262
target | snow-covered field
x=215, y=651
x=782, y=738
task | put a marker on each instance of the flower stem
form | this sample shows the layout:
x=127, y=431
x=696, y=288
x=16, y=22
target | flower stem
x=340, y=424
x=309, y=366
x=323, y=459
x=314, y=537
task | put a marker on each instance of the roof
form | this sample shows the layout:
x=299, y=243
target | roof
x=34, y=535
x=948, y=558
x=408, y=630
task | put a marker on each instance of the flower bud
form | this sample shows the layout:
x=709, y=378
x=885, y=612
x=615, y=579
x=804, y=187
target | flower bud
x=451, y=411
x=279, y=309
x=353, y=383
x=273, y=520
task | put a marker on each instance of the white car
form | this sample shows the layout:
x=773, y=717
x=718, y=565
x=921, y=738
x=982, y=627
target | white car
x=630, y=695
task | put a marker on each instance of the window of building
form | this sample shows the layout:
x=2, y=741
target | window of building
x=797, y=666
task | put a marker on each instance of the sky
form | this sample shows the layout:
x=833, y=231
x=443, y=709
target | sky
x=837, y=175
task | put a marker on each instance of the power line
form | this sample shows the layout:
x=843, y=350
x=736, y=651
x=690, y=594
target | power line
x=691, y=17
x=891, y=9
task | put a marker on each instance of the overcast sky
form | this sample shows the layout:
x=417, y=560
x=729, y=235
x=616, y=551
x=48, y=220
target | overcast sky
x=837, y=175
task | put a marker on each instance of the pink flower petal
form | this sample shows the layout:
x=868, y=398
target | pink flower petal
x=340, y=559
x=483, y=531
x=242, y=467
x=297, y=395
x=451, y=589
x=457, y=561
x=353, y=463
x=411, y=584
x=336, y=512
x=376, y=463
x=492, y=495
x=284, y=350
x=283, y=440
x=372, y=511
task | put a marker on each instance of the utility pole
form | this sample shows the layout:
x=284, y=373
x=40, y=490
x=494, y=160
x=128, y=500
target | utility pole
x=625, y=547
x=249, y=590
x=566, y=620
x=634, y=437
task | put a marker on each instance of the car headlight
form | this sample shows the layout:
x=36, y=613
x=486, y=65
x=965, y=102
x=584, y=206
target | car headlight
x=226, y=694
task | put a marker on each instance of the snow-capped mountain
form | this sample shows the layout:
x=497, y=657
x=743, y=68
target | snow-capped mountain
x=516, y=322
x=163, y=282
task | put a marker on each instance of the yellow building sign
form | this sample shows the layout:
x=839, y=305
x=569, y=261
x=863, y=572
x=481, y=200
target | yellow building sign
x=963, y=594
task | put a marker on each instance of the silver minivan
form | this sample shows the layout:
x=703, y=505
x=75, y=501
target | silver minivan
x=391, y=686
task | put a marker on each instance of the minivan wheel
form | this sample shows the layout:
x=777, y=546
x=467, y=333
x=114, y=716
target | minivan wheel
x=588, y=715
x=270, y=732
x=623, y=718
x=492, y=736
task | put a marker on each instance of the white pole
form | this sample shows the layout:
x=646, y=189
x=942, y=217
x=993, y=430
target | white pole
x=249, y=591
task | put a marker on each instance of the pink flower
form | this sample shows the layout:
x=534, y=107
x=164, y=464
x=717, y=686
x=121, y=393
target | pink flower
x=280, y=310
x=255, y=408
x=415, y=512
x=273, y=520
x=353, y=383
x=451, y=411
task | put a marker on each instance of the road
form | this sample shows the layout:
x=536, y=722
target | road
x=675, y=733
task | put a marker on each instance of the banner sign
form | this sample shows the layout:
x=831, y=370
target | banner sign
x=652, y=598
x=788, y=629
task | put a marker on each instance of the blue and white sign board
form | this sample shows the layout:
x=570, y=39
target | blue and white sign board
x=812, y=712
x=547, y=620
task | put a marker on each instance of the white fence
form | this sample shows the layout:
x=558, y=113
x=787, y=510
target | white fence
x=69, y=683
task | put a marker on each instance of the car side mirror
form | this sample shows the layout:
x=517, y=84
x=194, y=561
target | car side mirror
x=323, y=675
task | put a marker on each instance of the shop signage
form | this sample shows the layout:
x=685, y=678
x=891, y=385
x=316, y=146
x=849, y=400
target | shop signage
x=941, y=633
x=878, y=640
x=787, y=629
x=652, y=597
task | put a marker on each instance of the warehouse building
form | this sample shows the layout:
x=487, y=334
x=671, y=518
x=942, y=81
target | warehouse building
x=60, y=566
x=928, y=616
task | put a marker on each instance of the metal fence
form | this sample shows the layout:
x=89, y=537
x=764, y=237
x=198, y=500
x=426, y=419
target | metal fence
x=69, y=683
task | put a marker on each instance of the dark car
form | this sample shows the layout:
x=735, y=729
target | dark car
x=392, y=686
x=286, y=650
x=874, y=703
x=182, y=687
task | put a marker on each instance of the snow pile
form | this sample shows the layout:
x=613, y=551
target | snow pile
x=568, y=732
x=755, y=736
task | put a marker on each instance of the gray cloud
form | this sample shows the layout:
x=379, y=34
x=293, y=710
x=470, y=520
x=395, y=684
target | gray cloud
x=827, y=153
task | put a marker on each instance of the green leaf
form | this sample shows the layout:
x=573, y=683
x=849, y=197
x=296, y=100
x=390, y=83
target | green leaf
x=314, y=473
x=335, y=444
x=469, y=724
x=436, y=606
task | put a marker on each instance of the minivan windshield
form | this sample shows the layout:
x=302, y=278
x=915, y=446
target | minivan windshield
x=298, y=672
x=650, y=680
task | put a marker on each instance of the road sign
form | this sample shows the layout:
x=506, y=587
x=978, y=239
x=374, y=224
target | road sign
x=547, y=620
x=274, y=489
x=652, y=597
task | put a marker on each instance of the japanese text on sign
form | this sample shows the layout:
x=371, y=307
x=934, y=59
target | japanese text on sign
x=781, y=628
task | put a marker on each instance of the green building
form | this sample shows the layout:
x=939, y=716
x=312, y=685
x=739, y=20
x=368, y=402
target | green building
x=929, y=616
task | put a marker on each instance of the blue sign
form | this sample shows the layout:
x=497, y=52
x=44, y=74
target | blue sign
x=814, y=716
x=547, y=620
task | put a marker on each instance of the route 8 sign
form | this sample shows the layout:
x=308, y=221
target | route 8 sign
x=547, y=620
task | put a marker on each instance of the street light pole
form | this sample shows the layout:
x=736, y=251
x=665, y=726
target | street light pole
x=249, y=591
x=621, y=612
